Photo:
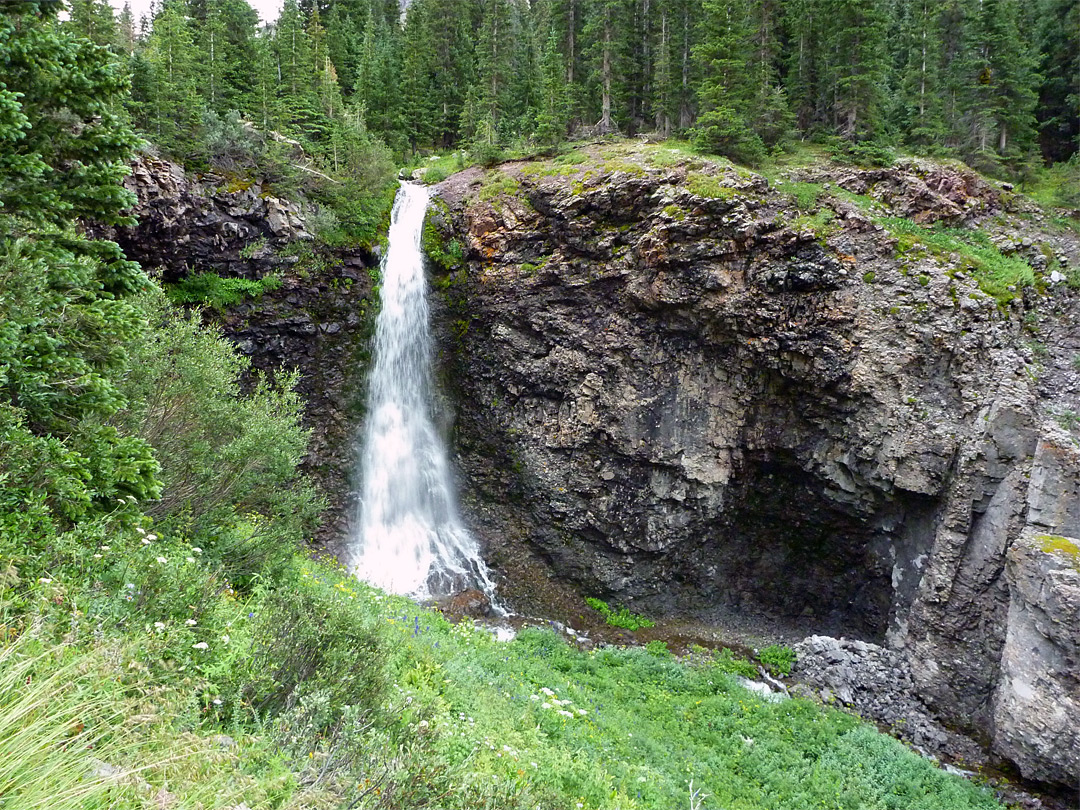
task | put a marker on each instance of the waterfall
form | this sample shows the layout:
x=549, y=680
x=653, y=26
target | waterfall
x=410, y=538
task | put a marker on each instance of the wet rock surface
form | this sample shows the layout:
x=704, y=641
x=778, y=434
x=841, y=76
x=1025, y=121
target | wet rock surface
x=688, y=395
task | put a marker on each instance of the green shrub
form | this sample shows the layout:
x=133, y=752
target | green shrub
x=486, y=154
x=659, y=649
x=228, y=460
x=861, y=153
x=777, y=658
x=497, y=184
x=722, y=132
x=619, y=618
x=805, y=194
x=214, y=291
x=312, y=637
x=726, y=661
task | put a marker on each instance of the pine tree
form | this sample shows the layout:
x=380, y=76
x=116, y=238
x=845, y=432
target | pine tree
x=1001, y=91
x=804, y=26
x=64, y=311
x=724, y=56
x=606, y=30
x=857, y=65
x=555, y=101
x=378, y=76
x=920, y=59
x=1059, y=94
x=94, y=20
x=488, y=97
x=125, y=24
x=171, y=109
x=769, y=114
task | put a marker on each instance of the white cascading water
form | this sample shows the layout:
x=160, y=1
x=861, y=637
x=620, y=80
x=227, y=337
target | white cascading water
x=410, y=539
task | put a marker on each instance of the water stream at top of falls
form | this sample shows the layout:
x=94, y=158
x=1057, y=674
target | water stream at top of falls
x=410, y=538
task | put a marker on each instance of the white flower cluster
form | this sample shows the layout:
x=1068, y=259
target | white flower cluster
x=564, y=708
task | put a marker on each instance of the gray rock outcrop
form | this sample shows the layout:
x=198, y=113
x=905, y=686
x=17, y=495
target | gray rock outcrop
x=677, y=390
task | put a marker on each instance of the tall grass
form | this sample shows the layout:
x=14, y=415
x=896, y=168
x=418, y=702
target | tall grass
x=61, y=734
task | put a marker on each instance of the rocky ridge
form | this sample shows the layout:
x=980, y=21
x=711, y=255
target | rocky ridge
x=676, y=388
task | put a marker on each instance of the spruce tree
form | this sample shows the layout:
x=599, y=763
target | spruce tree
x=723, y=55
x=920, y=57
x=553, y=116
x=855, y=65
x=94, y=20
x=171, y=109
x=1059, y=93
x=65, y=314
x=1001, y=90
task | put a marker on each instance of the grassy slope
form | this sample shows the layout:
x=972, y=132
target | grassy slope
x=463, y=721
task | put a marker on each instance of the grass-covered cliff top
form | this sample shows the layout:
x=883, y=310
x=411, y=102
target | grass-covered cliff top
x=1005, y=236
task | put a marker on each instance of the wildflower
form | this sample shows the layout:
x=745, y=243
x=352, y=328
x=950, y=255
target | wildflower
x=226, y=638
x=105, y=548
x=191, y=622
x=217, y=701
x=547, y=691
x=162, y=560
x=565, y=713
x=121, y=501
x=190, y=559
x=159, y=625
x=582, y=712
x=196, y=549
x=140, y=530
x=151, y=537
x=131, y=498
x=545, y=705
x=202, y=645
x=534, y=697
x=145, y=542
x=44, y=580
x=97, y=556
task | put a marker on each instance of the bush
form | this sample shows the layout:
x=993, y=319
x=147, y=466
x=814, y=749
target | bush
x=214, y=291
x=861, y=153
x=619, y=618
x=777, y=658
x=228, y=461
x=724, y=133
x=314, y=639
x=230, y=144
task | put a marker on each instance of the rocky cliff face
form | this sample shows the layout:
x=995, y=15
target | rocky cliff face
x=319, y=319
x=676, y=389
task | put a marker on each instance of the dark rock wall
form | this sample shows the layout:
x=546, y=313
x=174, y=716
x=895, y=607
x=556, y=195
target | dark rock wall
x=697, y=404
x=319, y=321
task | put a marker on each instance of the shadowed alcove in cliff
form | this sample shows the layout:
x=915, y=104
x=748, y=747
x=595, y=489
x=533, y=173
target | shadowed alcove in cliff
x=787, y=548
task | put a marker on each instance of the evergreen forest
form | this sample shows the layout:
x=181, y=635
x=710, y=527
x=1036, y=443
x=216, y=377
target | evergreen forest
x=993, y=82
